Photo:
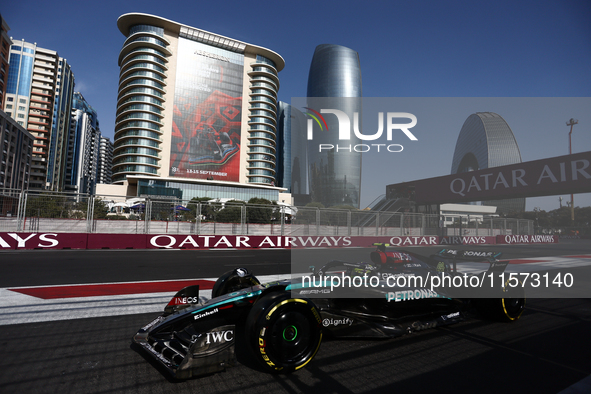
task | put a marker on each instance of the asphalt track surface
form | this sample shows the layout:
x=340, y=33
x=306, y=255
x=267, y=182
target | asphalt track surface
x=546, y=351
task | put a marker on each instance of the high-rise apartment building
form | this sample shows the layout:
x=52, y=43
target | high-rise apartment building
x=105, y=170
x=335, y=177
x=16, y=148
x=60, y=127
x=292, y=148
x=83, y=148
x=5, y=43
x=196, y=112
x=38, y=97
x=283, y=168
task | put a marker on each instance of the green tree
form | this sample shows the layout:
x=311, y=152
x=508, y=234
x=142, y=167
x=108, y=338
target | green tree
x=193, y=206
x=48, y=205
x=232, y=212
x=260, y=210
x=100, y=208
x=80, y=209
x=307, y=214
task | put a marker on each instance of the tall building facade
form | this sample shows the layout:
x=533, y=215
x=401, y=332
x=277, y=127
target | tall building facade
x=486, y=141
x=292, y=150
x=105, y=170
x=16, y=149
x=283, y=169
x=60, y=127
x=82, y=166
x=5, y=43
x=196, y=111
x=335, y=177
x=36, y=99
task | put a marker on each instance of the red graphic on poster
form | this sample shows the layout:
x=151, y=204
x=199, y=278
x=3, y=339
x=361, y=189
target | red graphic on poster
x=206, y=138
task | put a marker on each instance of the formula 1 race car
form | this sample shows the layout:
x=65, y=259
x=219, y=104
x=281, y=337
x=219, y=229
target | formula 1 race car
x=280, y=325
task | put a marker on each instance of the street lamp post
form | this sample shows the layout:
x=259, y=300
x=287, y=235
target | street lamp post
x=571, y=123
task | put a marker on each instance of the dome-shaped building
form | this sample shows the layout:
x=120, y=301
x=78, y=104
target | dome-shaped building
x=486, y=141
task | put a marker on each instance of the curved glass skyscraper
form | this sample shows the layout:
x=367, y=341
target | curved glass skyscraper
x=335, y=72
x=335, y=175
x=486, y=141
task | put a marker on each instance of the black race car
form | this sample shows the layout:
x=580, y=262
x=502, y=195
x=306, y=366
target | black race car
x=280, y=325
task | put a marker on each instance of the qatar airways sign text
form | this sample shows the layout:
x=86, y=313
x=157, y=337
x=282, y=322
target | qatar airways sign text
x=394, y=121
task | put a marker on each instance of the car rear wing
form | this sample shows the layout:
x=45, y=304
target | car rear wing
x=469, y=255
x=475, y=256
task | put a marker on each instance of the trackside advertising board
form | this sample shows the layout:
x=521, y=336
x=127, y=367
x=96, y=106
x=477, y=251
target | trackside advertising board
x=14, y=240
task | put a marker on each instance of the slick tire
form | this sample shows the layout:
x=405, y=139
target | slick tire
x=509, y=307
x=512, y=304
x=283, y=333
x=234, y=280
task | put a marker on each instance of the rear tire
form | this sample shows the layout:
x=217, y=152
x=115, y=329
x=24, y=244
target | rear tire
x=283, y=333
x=508, y=308
x=511, y=309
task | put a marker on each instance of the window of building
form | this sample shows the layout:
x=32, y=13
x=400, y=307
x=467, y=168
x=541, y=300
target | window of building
x=23, y=101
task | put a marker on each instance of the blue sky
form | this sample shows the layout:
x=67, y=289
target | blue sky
x=407, y=49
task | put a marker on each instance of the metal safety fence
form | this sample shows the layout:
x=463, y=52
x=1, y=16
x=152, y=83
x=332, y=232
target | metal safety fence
x=30, y=211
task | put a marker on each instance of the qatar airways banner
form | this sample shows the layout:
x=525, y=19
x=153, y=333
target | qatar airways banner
x=554, y=176
x=12, y=241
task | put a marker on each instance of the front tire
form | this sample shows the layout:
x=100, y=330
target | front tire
x=283, y=333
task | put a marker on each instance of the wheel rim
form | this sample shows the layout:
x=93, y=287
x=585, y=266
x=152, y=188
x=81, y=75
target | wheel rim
x=290, y=333
x=290, y=337
x=513, y=307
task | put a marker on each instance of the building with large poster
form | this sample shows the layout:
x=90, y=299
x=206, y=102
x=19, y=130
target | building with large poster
x=196, y=112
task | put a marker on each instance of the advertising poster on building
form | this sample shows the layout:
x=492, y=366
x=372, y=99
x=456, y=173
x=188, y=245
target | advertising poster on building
x=207, y=113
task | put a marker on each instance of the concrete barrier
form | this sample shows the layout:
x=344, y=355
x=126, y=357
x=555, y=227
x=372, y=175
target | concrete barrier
x=117, y=241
